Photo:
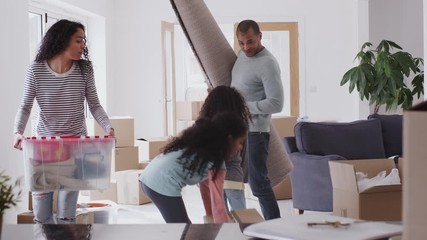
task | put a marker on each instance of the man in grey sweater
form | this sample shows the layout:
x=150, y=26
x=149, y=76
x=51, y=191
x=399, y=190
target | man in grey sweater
x=256, y=75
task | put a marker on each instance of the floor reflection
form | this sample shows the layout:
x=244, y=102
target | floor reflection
x=63, y=231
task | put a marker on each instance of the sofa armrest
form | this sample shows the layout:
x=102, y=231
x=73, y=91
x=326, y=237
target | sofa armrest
x=311, y=181
x=290, y=144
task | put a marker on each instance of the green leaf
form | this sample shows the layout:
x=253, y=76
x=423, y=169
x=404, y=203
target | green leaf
x=406, y=99
x=354, y=79
x=406, y=62
x=381, y=76
x=361, y=83
x=8, y=195
x=418, y=85
x=347, y=76
x=393, y=44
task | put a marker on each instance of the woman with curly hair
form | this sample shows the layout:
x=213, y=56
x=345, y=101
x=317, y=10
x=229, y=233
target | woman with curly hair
x=197, y=154
x=219, y=193
x=60, y=80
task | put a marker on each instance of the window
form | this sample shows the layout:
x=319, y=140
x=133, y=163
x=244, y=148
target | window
x=40, y=18
x=195, y=85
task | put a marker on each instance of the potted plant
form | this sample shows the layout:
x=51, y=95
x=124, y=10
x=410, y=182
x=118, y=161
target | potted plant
x=9, y=194
x=382, y=75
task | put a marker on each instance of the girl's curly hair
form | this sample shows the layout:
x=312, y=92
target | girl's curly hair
x=57, y=39
x=207, y=141
x=224, y=98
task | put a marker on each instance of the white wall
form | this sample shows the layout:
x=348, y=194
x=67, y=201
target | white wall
x=401, y=22
x=330, y=35
x=329, y=40
x=14, y=54
x=136, y=62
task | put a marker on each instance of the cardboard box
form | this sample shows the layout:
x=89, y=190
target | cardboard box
x=128, y=188
x=283, y=190
x=209, y=218
x=143, y=165
x=188, y=110
x=124, y=129
x=378, y=203
x=249, y=215
x=183, y=124
x=284, y=125
x=107, y=194
x=150, y=148
x=125, y=158
x=25, y=218
x=414, y=173
x=84, y=192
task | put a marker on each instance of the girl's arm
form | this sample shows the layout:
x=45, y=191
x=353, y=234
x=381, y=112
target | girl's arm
x=206, y=196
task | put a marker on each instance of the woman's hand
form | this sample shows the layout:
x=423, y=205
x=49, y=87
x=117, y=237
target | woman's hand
x=17, y=141
x=111, y=132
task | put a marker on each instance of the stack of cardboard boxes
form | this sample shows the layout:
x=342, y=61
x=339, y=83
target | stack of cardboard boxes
x=187, y=113
x=125, y=154
x=130, y=157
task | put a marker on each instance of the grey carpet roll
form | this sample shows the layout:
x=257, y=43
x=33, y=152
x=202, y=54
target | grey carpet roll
x=214, y=53
x=216, y=58
x=278, y=163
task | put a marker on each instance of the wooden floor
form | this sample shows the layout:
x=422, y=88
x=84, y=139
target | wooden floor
x=148, y=213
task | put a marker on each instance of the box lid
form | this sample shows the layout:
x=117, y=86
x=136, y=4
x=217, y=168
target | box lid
x=343, y=173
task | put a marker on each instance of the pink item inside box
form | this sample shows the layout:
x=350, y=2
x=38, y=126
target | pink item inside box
x=46, y=150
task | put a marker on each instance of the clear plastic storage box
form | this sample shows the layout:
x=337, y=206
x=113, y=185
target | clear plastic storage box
x=67, y=163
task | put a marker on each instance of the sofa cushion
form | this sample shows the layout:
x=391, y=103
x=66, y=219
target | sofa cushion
x=360, y=139
x=392, y=130
x=290, y=144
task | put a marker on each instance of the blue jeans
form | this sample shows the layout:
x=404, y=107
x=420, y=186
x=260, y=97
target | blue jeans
x=66, y=208
x=236, y=199
x=259, y=182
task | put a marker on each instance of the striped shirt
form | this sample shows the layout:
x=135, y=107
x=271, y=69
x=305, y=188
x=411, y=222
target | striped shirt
x=61, y=99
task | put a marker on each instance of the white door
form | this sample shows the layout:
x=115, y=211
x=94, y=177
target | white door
x=168, y=79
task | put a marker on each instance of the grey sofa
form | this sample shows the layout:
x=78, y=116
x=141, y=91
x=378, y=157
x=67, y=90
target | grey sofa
x=317, y=143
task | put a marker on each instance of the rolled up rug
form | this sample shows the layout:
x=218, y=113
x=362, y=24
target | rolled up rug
x=216, y=58
x=214, y=53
